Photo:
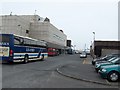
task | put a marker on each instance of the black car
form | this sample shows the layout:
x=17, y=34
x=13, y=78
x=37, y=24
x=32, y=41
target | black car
x=107, y=57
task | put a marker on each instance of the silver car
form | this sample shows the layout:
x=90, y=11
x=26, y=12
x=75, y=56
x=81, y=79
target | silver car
x=83, y=55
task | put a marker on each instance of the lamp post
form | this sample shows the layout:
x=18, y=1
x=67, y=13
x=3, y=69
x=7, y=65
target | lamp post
x=85, y=47
x=94, y=36
x=93, y=53
x=74, y=47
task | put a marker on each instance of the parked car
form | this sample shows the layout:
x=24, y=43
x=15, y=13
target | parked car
x=105, y=58
x=83, y=55
x=109, y=62
x=105, y=61
x=77, y=52
x=110, y=72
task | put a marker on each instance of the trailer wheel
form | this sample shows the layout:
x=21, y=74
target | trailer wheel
x=42, y=58
x=26, y=59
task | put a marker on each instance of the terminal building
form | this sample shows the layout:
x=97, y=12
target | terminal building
x=35, y=27
x=14, y=25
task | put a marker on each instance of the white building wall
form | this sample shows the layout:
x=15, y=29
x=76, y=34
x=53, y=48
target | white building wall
x=0, y=24
x=46, y=31
x=56, y=36
x=109, y=51
x=38, y=29
x=14, y=25
x=30, y=18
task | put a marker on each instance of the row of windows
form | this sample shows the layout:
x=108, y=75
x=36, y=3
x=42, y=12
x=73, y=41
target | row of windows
x=56, y=36
x=26, y=41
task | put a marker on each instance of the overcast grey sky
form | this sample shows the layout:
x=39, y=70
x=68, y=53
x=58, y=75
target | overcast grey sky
x=78, y=19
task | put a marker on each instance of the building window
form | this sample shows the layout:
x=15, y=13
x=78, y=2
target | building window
x=27, y=31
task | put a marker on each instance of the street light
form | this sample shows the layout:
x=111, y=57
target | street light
x=93, y=55
x=85, y=47
x=74, y=47
x=94, y=36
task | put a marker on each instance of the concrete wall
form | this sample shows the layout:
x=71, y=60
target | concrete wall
x=39, y=31
x=109, y=51
x=46, y=31
x=32, y=18
x=14, y=25
x=56, y=36
x=38, y=28
x=1, y=24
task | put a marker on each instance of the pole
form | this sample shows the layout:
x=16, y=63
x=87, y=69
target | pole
x=94, y=36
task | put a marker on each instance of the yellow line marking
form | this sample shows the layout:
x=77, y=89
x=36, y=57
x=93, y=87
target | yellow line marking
x=84, y=61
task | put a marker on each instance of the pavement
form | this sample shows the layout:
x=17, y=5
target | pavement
x=84, y=71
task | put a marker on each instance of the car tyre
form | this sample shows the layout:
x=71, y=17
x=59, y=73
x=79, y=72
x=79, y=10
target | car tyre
x=113, y=76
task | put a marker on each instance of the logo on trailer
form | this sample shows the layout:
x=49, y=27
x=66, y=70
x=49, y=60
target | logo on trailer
x=4, y=43
x=30, y=50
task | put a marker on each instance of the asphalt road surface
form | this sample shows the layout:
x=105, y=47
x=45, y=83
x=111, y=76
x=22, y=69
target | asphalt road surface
x=42, y=74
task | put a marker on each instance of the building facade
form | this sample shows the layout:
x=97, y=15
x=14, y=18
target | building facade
x=102, y=48
x=46, y=31
x=33, y=26
x=14, y=25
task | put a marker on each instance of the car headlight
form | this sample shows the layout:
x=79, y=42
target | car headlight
x=96, y=64
x=104, y=70
x=94, y=60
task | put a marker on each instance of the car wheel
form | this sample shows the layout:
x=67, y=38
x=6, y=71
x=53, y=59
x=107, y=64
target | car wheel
x=113, y=76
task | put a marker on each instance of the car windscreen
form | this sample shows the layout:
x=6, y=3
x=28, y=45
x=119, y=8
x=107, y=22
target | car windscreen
x=109, y=57
x=104, y=57
x=115, y=60
x=83, y=53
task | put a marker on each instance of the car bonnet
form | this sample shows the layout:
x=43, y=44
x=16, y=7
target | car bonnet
x=111, y=66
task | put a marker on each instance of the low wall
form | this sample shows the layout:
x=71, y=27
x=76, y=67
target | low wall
x=109, y=51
